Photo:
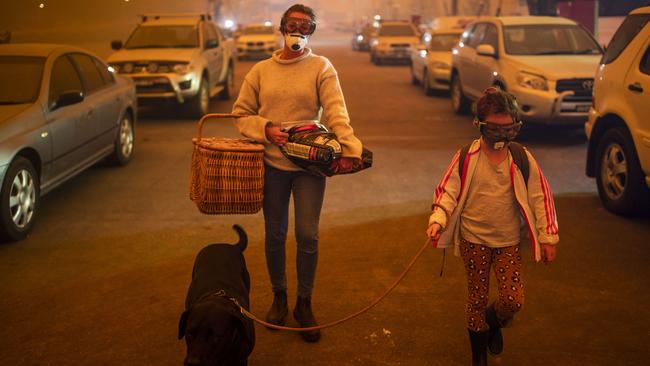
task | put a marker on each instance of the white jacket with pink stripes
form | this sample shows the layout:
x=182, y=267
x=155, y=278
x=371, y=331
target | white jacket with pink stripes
x=535, y=201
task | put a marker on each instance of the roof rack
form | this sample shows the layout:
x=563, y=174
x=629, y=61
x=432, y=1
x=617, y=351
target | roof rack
x=157, y=16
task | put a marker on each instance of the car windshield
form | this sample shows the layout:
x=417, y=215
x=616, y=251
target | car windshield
x=20, y=79
x=443, y=42
x=262, y=29
x=397, y=31
x=167, y=36
x=549, y=39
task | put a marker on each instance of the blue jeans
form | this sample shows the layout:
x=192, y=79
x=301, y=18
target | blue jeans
x=308, y=192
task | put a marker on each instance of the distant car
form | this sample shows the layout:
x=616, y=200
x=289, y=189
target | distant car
x=618, y=127
x=258, y=41
x=61, y=111
x=361, y=39
x=394, y=41
x=431, y=65
x=548, y=63
x=182, y=58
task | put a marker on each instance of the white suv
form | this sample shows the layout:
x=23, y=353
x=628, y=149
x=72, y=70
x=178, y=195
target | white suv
x=180, y=57
x=258, y=40
x=548, y=63
x=619, y=127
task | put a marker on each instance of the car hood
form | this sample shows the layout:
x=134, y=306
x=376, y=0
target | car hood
x=440, y=56
x=559, y=66
x=8, y=112
x=257, y=38
x=154, y=54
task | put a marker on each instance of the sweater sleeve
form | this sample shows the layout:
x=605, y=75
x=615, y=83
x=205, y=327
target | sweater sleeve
x=540, y=200
x=247, y=103
x=446, y=193
x=335, y=113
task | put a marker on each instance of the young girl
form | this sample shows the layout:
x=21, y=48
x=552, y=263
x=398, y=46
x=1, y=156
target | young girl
x=478, y=209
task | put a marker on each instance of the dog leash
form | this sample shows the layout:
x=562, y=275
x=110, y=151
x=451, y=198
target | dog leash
x=350, y=317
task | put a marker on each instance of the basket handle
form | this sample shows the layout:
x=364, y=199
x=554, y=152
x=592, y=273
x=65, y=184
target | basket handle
x=216, y=115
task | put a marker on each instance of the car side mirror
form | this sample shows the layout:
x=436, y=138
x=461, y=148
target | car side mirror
x=486, y=50
x=68, y=98
x=211, y=43
x=116, y=45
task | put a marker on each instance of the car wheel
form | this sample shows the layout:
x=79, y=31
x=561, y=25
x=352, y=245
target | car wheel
x=200, y=104
x=20, y=199
x=229, y=85
x=414, y=79
x=620, y=180
x=124, y=142
x=426, y=83
x=459, y=102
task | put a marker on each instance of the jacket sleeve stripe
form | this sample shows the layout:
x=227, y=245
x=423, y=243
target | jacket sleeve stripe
x=531, y=235
x=441, y=187
x=549, y=205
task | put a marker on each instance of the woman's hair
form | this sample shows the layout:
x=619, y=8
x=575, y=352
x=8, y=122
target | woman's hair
x=496, y=101
x=297, y=8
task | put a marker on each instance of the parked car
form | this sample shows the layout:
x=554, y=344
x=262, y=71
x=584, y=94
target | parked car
x=394, y=41
x=258, y=41
x=361, y=39
x=431, y=64
x=181, y=58
x=618, y=127
x=548, y=63
x=61, y=111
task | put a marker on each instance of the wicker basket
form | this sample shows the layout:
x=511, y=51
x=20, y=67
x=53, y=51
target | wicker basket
x=227, y=174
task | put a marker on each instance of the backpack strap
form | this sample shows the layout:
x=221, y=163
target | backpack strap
x=518, y=152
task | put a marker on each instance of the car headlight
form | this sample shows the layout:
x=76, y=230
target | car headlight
x=115, y=68
x=360, y=38
x=127, y=68
x=152, y=68
x=181, y=69
x=532, y=81
x=440, y=65
x=423, y=53
x=374, y=43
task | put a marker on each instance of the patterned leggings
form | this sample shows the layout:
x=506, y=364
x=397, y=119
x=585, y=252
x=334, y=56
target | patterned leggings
x=507, y=268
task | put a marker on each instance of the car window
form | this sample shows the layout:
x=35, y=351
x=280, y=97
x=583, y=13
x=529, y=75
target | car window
x=475, y=37
x=64, y=79
x=163, y=36
x=548, y=39
x=491, y=36
x=258, y=29
x=20, y=79
x=104, y=70
x=645, y=62
x=91, y=76
x=624, y=35
x=210, y=33
x=405, y=30
x=464, y=39
x=443, y=42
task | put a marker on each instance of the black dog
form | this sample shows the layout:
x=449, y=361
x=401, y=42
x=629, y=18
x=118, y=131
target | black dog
x=215, y=330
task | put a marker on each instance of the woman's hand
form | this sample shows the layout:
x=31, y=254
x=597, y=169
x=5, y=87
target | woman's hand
x=276, y=136
x=434, y=231
x=548, y=253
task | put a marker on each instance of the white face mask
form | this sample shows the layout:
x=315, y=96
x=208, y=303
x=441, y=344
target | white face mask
x=296, y=41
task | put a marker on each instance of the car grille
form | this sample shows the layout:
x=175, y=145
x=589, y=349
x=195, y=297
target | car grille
x=581, y=88
x=255, y=43
x=400, y=45
x=151, y=85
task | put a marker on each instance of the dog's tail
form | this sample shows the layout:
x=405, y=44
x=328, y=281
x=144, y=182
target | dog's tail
x=243, y=238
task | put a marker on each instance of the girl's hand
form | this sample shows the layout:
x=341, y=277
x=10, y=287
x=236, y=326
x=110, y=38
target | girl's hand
x=276, y=136
x=346, y=164
x=433, y=232
x=548, y=253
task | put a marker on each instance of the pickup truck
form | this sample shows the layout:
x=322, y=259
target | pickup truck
x=180, y=57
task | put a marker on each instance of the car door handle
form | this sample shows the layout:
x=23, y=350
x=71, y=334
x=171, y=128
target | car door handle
x=636, y=87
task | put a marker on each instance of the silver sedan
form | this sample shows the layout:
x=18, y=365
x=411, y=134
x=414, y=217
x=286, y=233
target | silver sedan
x=61, y=110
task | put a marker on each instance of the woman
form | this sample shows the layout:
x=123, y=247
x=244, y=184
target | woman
x=293, y=85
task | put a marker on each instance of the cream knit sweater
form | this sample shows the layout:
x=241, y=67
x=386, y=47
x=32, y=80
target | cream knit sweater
x=285, y=92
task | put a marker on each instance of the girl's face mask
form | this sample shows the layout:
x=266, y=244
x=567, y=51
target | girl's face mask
x=296, y=41
x=498, y=136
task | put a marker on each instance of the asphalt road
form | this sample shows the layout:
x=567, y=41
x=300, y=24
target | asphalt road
x=102, y=279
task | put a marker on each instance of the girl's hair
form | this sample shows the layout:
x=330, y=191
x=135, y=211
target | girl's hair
x=496, y=101
x=297, y=8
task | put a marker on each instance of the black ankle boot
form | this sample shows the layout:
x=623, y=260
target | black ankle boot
x=478, y=340
x=305, y=318
x=495, y=338
x=278, y=312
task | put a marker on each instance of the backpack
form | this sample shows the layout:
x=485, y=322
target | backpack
x=518, y=152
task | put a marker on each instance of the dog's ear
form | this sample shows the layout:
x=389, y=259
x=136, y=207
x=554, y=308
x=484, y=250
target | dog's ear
x=246, y=334
x=182, y=324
